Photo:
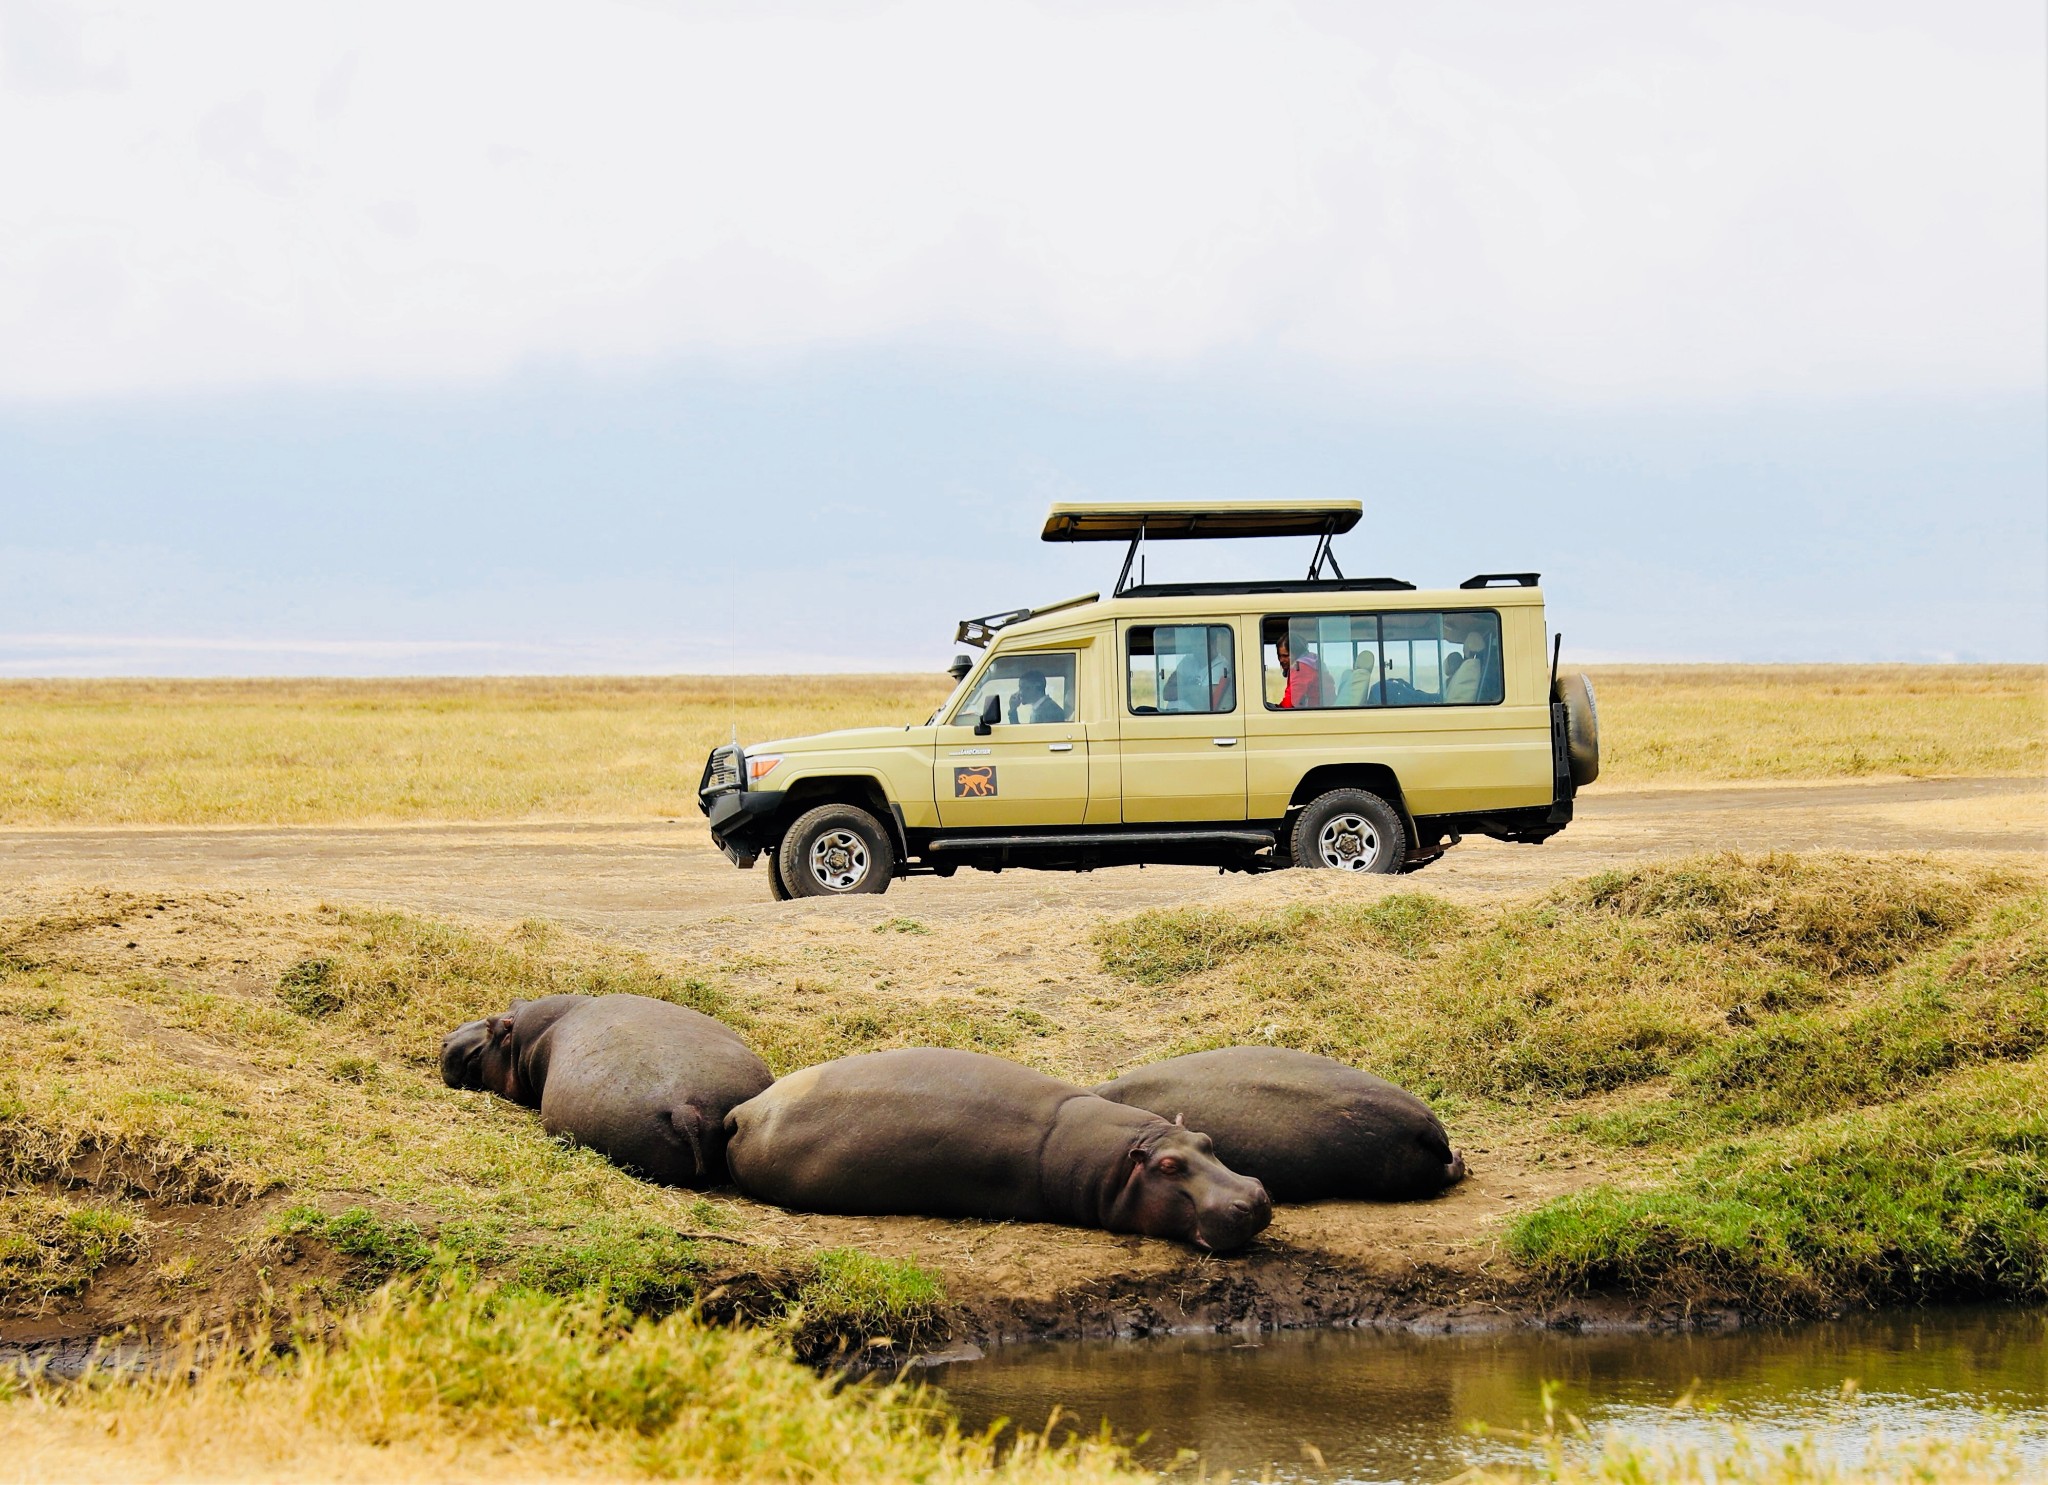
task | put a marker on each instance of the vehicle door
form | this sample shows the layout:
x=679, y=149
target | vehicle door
x=1183, y=721
x=1031, y=766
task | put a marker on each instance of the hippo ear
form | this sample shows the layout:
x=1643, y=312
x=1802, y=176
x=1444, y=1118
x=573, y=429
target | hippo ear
x=501, y=1028
x=1180, y=1121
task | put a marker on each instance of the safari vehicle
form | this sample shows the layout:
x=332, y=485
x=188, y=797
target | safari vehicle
x=1354, y=724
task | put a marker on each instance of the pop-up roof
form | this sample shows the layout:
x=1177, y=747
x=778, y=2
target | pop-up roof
x=1197, y=519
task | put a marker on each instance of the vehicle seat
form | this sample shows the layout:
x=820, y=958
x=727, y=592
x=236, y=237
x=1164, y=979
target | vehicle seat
x=1461, y=681
x=1223, y=694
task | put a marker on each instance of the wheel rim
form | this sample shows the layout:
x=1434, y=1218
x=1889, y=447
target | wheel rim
x=1348, y=843
x=839, y=860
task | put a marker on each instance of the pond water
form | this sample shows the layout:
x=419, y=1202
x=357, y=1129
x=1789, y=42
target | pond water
x=1396, y=1406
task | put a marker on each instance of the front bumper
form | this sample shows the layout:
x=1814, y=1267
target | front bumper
x=742, y=819
x=743, y=824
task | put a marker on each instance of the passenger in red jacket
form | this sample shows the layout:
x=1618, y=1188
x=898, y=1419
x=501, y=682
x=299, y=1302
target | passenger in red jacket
x=1304, y=676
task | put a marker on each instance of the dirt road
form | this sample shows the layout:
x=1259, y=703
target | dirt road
x=660, y=884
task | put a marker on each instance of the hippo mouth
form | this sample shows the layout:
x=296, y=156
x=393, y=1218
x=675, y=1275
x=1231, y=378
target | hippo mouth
x=1233, y=1228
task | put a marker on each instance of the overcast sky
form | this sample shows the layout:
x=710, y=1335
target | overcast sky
x=432, y=337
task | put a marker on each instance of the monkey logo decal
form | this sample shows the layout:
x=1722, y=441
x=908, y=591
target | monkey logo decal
x=974, y=783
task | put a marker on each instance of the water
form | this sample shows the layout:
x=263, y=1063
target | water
x=1394, y=1406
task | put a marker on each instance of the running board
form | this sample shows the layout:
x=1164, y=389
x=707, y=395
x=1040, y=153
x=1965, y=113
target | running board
x=1253, y=839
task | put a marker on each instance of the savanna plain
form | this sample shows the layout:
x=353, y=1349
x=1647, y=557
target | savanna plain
x=1764, y=1035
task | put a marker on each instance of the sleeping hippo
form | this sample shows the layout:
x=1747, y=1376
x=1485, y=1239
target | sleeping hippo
x=643, y=1082
x=1308, y=1127
x=945, y=1133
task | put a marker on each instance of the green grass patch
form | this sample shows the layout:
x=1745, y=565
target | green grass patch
x=1982, y=997
x=1602, y=984
x=1942, y=1196
x=51, y=1246
x=855, y=1299
x=378, y=1248
x=643, y=1267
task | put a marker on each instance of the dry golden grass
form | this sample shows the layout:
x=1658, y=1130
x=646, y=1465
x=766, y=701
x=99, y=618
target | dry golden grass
x=308, y=752
x=1676, y=724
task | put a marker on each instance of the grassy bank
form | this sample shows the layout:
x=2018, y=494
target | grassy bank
x=1828, y=1072
x=1810, y=1082
x=281, y=752
x=1810, y=1074
x=464, y=1381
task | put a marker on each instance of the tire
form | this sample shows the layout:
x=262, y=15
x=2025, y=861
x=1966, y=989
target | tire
x=777, y=888
x=1350, y=830
x=1581, y=728
x=836, y=850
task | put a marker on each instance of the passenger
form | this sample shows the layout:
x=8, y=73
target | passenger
x=1469, y=678
x=1031, y=704
x=1304, y=676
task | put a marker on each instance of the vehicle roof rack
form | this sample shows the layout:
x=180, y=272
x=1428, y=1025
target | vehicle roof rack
x=978, y=632
x=1502, y=579
x=1277, y=585
x=1199, y=520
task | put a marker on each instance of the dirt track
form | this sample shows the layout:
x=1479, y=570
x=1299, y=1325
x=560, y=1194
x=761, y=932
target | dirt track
x=661, y=884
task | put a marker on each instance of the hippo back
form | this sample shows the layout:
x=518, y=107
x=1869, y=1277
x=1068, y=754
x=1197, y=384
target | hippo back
x=1308, y=1127
x=648, y=1084
x=919, y=1129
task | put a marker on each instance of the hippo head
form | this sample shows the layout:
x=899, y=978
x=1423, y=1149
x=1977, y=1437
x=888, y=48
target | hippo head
x=1177, y=1188
x=478, y=1054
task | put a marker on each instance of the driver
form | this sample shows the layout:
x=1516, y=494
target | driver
x=1031, y=704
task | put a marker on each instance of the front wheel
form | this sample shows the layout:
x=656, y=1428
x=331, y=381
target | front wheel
x=1350, y=830
x=836, y=850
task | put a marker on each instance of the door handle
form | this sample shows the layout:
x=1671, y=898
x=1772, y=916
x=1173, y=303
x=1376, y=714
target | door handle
x=1059, y=747
x=1224, y=742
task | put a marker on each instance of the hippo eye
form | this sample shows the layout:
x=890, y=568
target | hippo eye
x=1169, y=1165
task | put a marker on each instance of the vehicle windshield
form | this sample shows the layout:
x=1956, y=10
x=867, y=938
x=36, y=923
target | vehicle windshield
x=945, y=706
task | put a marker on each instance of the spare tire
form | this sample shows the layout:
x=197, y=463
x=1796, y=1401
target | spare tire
x=1581, y=728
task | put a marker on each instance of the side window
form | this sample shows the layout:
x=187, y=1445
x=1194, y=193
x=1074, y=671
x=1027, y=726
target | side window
x=1319, y=661
x=1181, y=668
x=1035, y=686
x=1473, y=675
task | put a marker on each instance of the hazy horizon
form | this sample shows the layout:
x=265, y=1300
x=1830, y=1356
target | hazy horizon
x=662, y=338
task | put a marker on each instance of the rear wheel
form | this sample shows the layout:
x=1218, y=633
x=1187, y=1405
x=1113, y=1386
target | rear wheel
x=1350, y=830
x=836, y=850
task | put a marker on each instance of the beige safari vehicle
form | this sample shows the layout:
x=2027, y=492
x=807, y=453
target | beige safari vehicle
x=1350, y=724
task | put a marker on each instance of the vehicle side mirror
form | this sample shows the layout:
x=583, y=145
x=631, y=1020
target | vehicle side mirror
x=991, y=713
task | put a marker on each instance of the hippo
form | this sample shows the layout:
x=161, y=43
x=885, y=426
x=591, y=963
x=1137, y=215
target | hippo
x=944, y=1133
x=643, y=1082
x=1309, y=1127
